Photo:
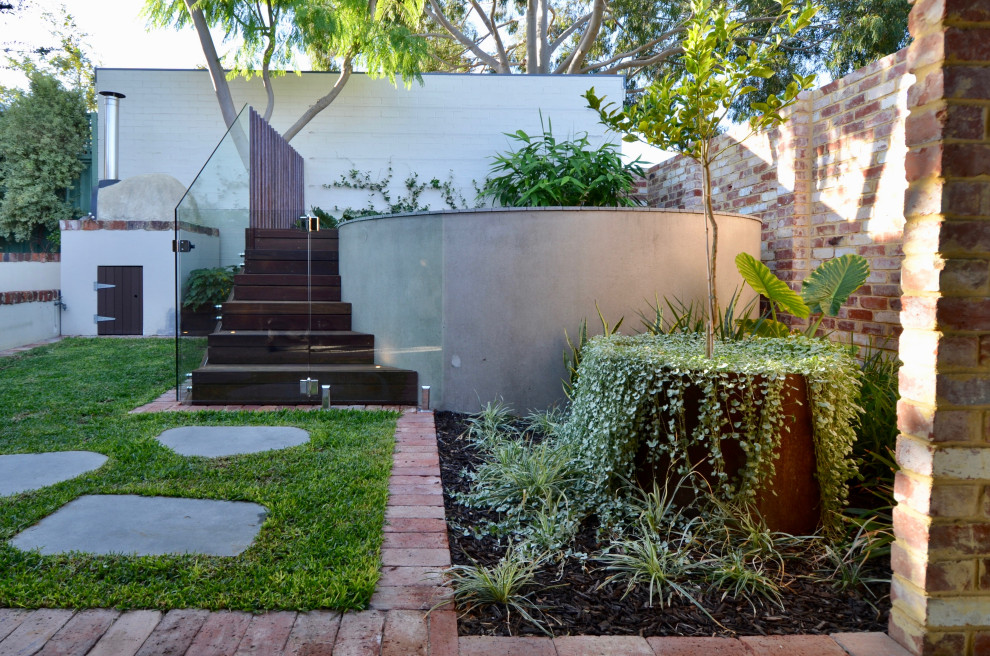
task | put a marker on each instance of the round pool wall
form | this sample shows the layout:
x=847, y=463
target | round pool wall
x=477, y=301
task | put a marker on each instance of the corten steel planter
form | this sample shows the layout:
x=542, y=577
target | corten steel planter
x=790, y=501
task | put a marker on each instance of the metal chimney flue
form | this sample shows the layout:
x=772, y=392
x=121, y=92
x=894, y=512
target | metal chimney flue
x=111, y=150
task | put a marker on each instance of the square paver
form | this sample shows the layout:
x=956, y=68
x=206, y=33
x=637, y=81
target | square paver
x=145, y=526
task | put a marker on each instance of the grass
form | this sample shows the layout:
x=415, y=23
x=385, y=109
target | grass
x=318, y=548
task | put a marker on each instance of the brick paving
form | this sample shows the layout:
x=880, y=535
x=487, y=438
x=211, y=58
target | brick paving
x=414, y=551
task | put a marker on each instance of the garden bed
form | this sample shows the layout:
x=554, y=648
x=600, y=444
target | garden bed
x=576, y=599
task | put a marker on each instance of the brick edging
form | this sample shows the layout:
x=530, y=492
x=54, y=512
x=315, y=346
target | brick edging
x=29, y=296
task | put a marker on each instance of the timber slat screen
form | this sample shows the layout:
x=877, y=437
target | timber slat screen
x=276, y=178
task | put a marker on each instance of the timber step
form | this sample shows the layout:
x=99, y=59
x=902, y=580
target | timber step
x=289, y=322
x=285, y=293
x=293, y=266
x=266, y=347
x=261, y=254
x=279, y=279
x=265, y=384
x=285, y=307
x=292, y=240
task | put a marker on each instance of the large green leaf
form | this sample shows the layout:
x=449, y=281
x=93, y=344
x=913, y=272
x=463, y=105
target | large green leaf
x=762, y=279
x=832, y=283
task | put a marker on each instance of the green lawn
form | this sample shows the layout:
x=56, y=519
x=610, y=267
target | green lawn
x=318, y=548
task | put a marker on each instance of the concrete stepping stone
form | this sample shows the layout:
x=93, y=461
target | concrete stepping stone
x=219, y=441
x=145, y=526
x=21, y=472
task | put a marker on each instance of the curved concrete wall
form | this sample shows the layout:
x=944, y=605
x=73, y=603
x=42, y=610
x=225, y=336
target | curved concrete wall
x=477, y=301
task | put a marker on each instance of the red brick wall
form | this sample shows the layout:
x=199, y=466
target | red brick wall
x=829, y=181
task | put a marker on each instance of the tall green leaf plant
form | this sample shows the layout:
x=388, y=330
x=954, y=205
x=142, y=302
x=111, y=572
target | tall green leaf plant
x=686, y=110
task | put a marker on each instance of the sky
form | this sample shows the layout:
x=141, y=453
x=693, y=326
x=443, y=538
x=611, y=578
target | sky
x=118, y=37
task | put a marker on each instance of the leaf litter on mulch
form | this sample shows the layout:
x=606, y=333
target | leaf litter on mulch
x=576, y=601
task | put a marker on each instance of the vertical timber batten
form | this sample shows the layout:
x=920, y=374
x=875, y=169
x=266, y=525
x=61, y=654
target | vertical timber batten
x=276, y=177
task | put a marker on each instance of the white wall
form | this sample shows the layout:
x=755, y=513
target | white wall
x=170, y=123
x=84, y=250
x=27, y=323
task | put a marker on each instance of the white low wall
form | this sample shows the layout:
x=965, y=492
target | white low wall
x=170, y=123
x=35, y=320
x=477, y=302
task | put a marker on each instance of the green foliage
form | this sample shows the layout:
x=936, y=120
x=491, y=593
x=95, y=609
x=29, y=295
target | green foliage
x=833, y=282
x=318, y=546
x=380, y=194
x=823, y=292
x=42, y=134
x=632, y=390
x=503, y=585
x=572, y=360
x=876, y=433
x=63, y=56
x=546, y=172
x=271, y=33
x=209, y=287
x=764, y=282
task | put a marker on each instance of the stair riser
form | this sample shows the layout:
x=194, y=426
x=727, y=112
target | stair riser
x=321, y=268
x=397, y=388
x=287, y=322
x=275, y=308
x=293, y=356
x=282, y=244
x=297, y=280
x=273, y=293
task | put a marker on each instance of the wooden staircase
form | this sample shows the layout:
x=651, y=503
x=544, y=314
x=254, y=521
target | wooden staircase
x=268, y=340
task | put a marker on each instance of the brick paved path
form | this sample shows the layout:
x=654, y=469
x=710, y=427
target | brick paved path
x=397, y=624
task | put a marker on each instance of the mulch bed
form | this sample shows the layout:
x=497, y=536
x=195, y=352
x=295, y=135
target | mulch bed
x=577, y=603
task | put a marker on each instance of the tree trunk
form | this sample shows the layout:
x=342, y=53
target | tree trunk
x=712, y=226
x=532, y=7
x=217, y=73
x=542, y=37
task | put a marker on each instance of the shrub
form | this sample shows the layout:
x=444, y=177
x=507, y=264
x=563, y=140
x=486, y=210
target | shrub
x=547, y=172
x=208, y=287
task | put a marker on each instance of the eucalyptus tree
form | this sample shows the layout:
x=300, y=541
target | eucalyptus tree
x=643, y=38
x=338, y=35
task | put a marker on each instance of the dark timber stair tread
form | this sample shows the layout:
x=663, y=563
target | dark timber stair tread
x=296, y=369
x=286, y=307
x=284, y=255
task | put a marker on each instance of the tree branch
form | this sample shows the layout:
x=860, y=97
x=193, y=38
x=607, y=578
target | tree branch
x=266, y=59
x=502, y=56
x=217, y=74
x=324, y=102
x=566, y=34
x=434, y=12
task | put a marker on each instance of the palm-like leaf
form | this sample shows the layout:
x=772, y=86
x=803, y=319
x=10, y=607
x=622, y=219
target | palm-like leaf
x=762, y=279
x=832, y=283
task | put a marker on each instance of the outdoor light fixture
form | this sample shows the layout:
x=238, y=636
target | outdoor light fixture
x=309, y=387
x=326, y=397
x=424, y=399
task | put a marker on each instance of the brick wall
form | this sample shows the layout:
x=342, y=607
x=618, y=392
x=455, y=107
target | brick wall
x=829, y=181
x=940, y=590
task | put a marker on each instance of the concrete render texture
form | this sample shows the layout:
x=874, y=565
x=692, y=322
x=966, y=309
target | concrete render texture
x=219, y=441
x=478, y=316
x=21, y=472
x=145, y=526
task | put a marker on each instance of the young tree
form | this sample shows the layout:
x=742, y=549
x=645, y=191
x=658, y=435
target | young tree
x=686, y=111
x=42, y=133
x=338, y=35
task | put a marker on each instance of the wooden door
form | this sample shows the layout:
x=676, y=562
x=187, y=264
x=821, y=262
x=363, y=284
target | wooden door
x=119, y=300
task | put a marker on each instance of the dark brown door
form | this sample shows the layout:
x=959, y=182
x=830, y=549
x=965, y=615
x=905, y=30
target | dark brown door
x=120, y=307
